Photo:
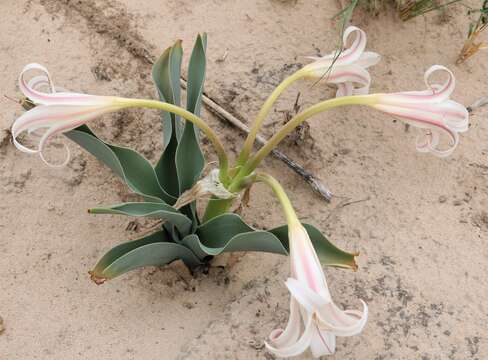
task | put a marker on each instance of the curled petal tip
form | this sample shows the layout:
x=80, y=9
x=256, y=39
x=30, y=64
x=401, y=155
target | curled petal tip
x=347, y=67
x=431, y=111
x=55, y=112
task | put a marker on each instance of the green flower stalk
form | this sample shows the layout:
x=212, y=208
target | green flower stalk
x=288, y=128
x=263, y=113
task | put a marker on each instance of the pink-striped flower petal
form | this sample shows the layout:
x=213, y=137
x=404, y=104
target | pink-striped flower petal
x=315, y=320
x=345, y=77
x=346, y=68
x=284, y=338
x=435, y=93
x=55, y=112
x=431, y=111
x=55, y=98
x=296, y=348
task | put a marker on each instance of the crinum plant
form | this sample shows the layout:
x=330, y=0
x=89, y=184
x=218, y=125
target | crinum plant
x=169, y=189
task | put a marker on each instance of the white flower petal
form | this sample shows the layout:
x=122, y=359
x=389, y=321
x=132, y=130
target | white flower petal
x=296, y=348
x=348, y=75
x=331, y=318
x=347, y=67
x=57, y=118
x=417, y=117
x=428, y=142
x=323, y=342
x=344, y=89
x=60, y=165
x=434, y=121
x=348, y=55
x=456, y=116
x=305, y=264
x=55, y=98
x=289, y=336
x=342, y=323
x=40, y=81
x=352, y=53
x=368, y=58
x=306, y=297
x=436, y=93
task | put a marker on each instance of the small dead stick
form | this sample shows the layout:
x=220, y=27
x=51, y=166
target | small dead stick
x=224, y=115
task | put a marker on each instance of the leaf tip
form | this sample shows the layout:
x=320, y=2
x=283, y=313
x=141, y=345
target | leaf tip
x=354, y=265
x=99, y=280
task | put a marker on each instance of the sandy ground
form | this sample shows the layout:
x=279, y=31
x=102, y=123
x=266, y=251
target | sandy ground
x=421, y=227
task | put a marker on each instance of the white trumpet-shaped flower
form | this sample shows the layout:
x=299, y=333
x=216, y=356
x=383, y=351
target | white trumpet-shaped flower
x=346, y=68
x=430, y=110
x=55, y=111
x=314, y=320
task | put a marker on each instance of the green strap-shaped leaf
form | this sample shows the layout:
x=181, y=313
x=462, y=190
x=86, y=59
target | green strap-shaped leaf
x=228, y=232
x=219, y=230
x=248, y=241
x=193, y=243
x=143, y=209
x=189, y=157
x=328, y=253
x=196, y=75
x=128, y=164
x=152, y=250
x=166, y=75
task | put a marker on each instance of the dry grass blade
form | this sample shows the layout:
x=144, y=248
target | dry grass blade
x=414, y=8
x=471, y=45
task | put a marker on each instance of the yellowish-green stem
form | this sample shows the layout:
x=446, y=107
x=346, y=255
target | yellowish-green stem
x=216, y=207
x=251, y=165
x=291, y=216
x=198, y=122
x=263, y=113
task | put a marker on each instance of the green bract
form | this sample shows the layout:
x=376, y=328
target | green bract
x=181, y=235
